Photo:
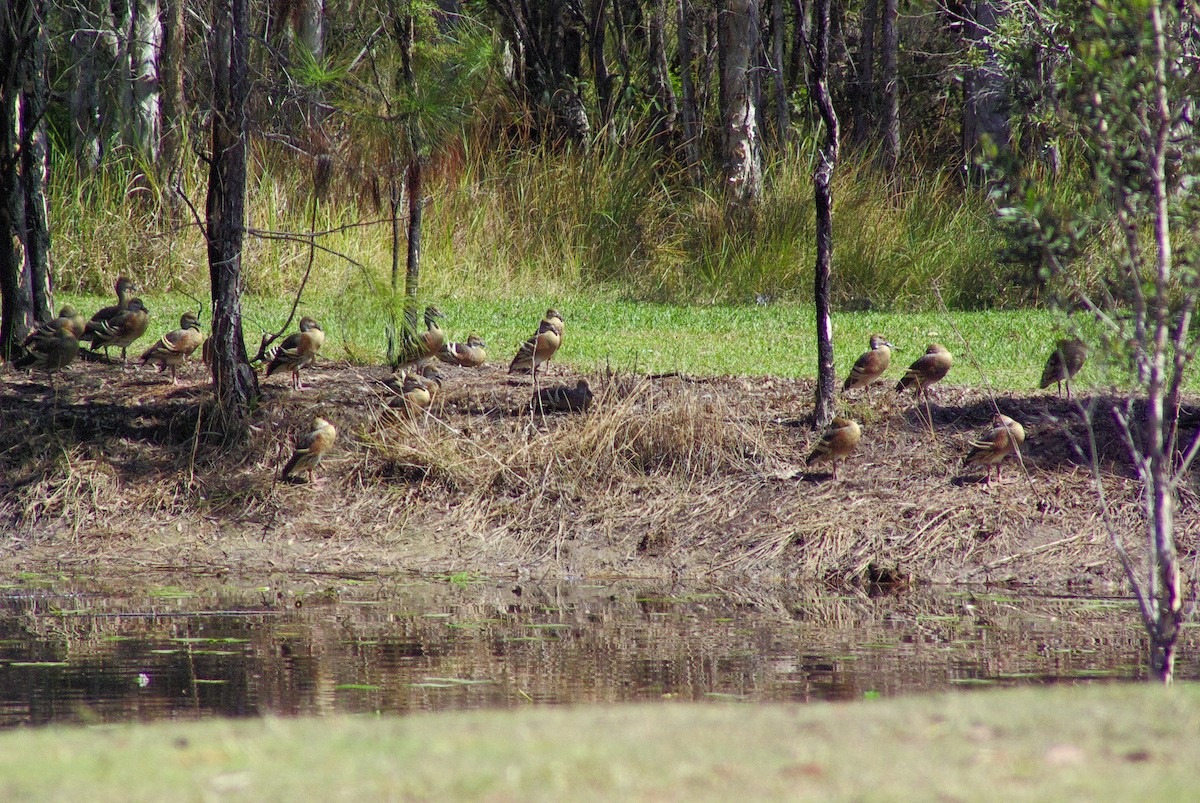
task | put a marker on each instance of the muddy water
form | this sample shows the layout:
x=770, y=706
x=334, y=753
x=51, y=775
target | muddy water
x=81, y=652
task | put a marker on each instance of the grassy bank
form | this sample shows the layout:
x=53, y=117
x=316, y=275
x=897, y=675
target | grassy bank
x=1002, y=349
x=1093, y=743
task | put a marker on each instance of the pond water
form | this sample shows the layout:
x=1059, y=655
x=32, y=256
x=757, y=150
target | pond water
x=76, y=652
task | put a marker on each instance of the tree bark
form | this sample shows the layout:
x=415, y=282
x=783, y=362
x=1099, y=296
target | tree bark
x=234, y=381
x=890, y=36
x=737, y=33
x=170, y=64
x=666, y=108
x=142, y=87
x=598, y=29
x=25, y=290
x=689, y=113
x=783, y=121
x=985, y=96
x=416, y=211
x=823, y=196
x=87, y=55
x=864, y=86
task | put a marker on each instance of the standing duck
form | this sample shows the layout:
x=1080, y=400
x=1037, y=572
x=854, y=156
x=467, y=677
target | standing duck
x=871, y=365
x=298, y=350
x=1066, y=360
x=120, y=329
x=839, y=440
x=176, y=346
x=1004, y=439
x=310, y=448
x=927, y=370
x=541, y=347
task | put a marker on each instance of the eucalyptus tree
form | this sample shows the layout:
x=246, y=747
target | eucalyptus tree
x=1126, y=77
x=25, y=290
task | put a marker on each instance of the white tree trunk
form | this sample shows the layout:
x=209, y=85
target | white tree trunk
x=738, y=27
x=142, y=95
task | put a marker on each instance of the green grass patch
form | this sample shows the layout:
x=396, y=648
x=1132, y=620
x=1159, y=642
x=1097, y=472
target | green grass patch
x=1107, y=742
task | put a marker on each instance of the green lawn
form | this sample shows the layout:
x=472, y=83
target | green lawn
x=1005, y=349
x=1117, y=742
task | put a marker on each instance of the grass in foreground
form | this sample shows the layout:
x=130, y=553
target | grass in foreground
x=1094, y=743
x=1005, y=350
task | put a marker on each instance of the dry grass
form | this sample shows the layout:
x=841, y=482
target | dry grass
x=671, y=476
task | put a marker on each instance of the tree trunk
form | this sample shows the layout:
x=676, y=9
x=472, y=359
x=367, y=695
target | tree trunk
x=823, y=197
x=891, y=85
x=778, y=75
x=737, y=33
x=689, y=114
x=234, y=381
x=600, y=74
x=170, y=64
x=864, y=85
x=985, y=96
x=25, y=292
x=416, y=210
x=142, y=90
x=666, y=108
x=87, y=56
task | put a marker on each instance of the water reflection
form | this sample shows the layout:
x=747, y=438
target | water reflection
x=83, y=655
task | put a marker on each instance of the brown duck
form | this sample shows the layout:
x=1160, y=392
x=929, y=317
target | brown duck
x=471, y=354
x=119, y=330
x=1004, y=439
x=838, y=442
x=50, y=351
x=871, y=365
x=1064, y=362
x=173, y=348
x=541, y=347
x=298, y=350
x=928, y=369
x=310, y=448
x=424, y=346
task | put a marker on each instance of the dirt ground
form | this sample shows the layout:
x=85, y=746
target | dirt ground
x=114, y=469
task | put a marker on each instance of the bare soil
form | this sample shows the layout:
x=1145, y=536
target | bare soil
x=672, y=476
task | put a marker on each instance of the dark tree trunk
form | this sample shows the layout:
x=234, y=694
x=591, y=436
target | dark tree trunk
x=604, y=81
x=823, y=196
x=234, y=381
x=666, y=107
x=90, y=61
x=170, y=69
x=688, y=113
x=738, y=32
x=416, y=210
x=891, y=85
x=985, y=97
x=778, y=73
x=25, y=292
x=864, y=85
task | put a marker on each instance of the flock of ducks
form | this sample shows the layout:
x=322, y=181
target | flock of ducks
x=1004, y=438
x=55, y=344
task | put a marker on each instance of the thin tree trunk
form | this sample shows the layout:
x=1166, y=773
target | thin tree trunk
x=87, y=57
x=416, y=210
x=666, y=107
x=891, y=85
x=600, y=74
x=984, y=93
x=823, y=197
x=738, y=31
x=689, y=115
x=234, y=381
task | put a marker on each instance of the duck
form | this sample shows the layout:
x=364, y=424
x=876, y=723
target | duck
x=563, y=398
x=119, y=330
x=541, y=347
x=413, y=394
x=50, y=351
x=68, y=315
x=839, y=440
x=927, y=370
x=471, y=354
x=1064, y=362
x=1004, y=439
x=871, y=365
x=310, y=449
x=124, y=288
x=176, y=346
x=298, y=350
x=422, y=347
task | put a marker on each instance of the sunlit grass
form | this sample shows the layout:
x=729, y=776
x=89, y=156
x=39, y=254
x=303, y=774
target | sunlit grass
x=1005, y=350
